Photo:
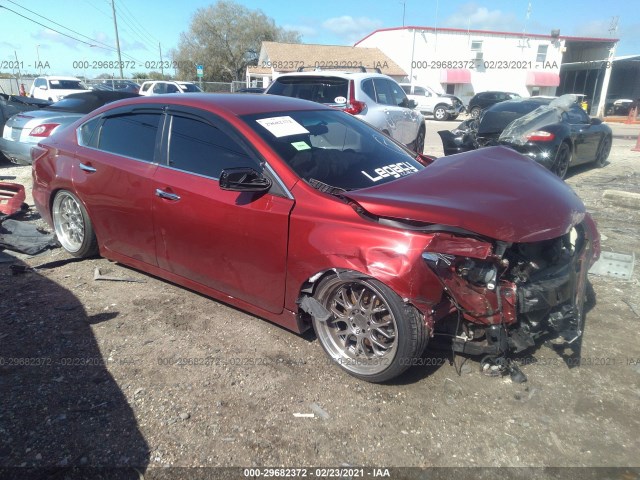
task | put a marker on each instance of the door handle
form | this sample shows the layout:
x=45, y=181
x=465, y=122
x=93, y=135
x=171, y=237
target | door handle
x=167, y=195
x=87, y=168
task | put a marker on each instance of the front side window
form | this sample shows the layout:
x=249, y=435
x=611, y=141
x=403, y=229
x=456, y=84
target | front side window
x=329, y=149
x=130, y=135
x=421, y=91
x=67, y=85
x=160, y=88
x=199, y=147
x=576, y=115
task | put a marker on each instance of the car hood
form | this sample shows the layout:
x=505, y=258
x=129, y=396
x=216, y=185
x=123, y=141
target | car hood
x=494, y=192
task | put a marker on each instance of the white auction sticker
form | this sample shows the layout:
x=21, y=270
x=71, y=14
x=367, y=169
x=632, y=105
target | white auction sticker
x=282, y=126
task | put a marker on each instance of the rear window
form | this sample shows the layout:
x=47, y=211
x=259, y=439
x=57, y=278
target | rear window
x=189, y=87
x=327, y=90
x=67, y=85
x=496, y=118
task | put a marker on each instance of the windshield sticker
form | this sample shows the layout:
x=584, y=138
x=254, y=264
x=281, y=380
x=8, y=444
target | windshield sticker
x=300, y=146
x=340, y=100
x=395, y=170
x=282, y=126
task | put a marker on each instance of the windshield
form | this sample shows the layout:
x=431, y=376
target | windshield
x=67, y=85
x=189, y=87
x=333, y=148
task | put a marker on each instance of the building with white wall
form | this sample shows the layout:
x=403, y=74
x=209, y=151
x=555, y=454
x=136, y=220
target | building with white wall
x=464, y=62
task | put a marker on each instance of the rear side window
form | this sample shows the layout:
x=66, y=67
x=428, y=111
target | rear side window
x=198, y=147
x=86, y=132
x=131, y=135
x=327, y=90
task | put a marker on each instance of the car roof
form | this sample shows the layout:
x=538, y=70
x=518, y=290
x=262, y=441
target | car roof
x=533, y=101
x=231, y=104
x=58, y=77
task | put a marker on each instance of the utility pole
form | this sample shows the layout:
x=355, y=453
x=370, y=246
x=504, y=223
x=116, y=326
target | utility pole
x=161, y=66
x=115, y=24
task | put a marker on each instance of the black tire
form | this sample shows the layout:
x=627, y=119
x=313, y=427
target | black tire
x=604, y=149
x=440, y=113
x=419, y=142
x=352, y=340
x=452, y=117
x=73, y=226
x=475, y=112
x=562, y=160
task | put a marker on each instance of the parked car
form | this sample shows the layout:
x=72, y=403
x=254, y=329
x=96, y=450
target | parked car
x=157, y=87
x=618, y=106
x=251, y=90
x=483, y=100
x=117, y=86
x=556, y=133
x=56, y=88
x=308, y=217
x=22, y=131
x=375, y=98
x=442, y=107
x=13, y=104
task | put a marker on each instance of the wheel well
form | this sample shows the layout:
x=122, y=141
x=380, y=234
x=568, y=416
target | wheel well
x=443, y=105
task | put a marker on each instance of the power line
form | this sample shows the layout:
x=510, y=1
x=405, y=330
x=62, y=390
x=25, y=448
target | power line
x=143, y=30
x=52, y=29
x=55, y=23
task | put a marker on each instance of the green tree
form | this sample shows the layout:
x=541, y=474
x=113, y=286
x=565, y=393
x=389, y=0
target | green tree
x=226, y=38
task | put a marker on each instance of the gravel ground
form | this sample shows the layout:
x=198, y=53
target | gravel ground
x=149, y=374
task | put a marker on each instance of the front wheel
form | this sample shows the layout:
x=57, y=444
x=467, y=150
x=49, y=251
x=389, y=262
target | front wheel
x=603, y=152
x=371, y=334
x=475, y=112
x=73, y=226
x=440, y=113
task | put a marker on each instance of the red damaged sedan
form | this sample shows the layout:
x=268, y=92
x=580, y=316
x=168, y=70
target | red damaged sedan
x=307, y=216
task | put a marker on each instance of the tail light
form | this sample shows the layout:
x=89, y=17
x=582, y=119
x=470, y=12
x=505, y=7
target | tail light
x=354, y=107
x=540, y=136
x=43, y=130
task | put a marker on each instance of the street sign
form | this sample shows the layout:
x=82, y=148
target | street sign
x=200, y=71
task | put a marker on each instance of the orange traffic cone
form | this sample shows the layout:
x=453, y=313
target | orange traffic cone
x=632, y=115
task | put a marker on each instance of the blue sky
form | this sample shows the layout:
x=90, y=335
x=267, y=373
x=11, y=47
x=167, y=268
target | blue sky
x=142, y=25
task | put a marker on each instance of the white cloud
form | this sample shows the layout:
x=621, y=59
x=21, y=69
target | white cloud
x=303, y=30
x=472, y=15
x=351, y=29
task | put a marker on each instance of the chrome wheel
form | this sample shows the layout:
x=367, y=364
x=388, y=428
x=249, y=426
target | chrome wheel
x=72, y=225
x=440, y=114
x=362, y=336
x=371, y=333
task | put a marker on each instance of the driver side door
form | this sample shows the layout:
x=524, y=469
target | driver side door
x=233, y=242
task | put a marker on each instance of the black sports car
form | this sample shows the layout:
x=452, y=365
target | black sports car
x=556, y=133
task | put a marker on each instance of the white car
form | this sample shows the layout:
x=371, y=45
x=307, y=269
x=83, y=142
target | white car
x=373, y=97
x=442, y=107
x=56, y=88
x=157, y=87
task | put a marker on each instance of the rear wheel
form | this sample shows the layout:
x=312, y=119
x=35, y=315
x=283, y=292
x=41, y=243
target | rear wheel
x=603, y=152
x=475, y=112
x=371, y=334
x=73, y=226
x=419, y=142
x=563, y=159
x=440, y=113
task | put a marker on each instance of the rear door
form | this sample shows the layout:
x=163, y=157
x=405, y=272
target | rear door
x=112, y=173
x=233, y=242
x=388, y=95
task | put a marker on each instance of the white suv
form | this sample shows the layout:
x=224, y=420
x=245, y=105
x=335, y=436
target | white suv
x=156, y=87
x=375, y=98
x=56, y=88
x=442, y=107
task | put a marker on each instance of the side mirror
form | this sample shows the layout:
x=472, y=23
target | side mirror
x=412, y=104
x=596, y=121
x=42, y=87
x=243, y=179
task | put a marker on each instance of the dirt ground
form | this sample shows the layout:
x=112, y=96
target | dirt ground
x=149, y=374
